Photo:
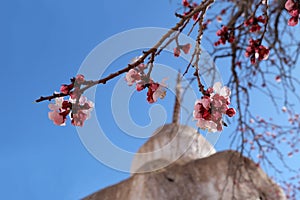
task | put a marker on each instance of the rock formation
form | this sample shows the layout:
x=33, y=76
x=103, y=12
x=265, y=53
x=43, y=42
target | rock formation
x=171, y=144
x=222, y=176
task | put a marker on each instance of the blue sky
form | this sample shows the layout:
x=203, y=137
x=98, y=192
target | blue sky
x=43, y=43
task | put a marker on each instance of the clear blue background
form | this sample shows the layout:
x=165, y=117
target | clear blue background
x=43, y=43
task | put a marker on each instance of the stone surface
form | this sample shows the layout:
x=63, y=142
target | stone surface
x=224, y=175
x=171, y=144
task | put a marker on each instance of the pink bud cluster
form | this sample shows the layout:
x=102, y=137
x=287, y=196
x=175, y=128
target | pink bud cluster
x=188, y=4
x=142, y=81
x=77, y=107
x=253, y=23
x=256, y=51
x=294, y=118
x=185, y=48
x=209, y=110
x=185, y=3
x=224, y=35
x=293, y=7
x=205, y=24
x=73, y=89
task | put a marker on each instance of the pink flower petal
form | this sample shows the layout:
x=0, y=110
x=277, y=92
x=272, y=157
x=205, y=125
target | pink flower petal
x=56, y=118
x=293, y=21
x=289, y=4
x=132, y=76
x=217, y=87
x=225, y=92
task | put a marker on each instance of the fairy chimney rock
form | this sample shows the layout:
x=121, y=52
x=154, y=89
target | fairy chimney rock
x=222, y=176
x=171, y=144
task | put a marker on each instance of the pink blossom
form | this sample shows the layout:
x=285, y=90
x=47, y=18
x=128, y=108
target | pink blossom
x=220, y=101
x=210, y=90
x=224, y=35
x=230, y=112
x=155, y=91
x=159, y=93
x=57, y=105
x=289, y=5
x=217, y=101
x=195, y=16
x=202, y=109
x=55, y=113
x=75, y=93
x=79, y=118
x=294, y=10
x=79, y=109
x=294, y=13
x=205, y=101
x=65, y=89
x=284, y=109
x=293, y=21
x=262, y=53
x=216, y=115
x=253, y=23
x=176, y=51
x=150, y=94
x=79, y=79
x=256, y=51
x=57, y=118
x=223, y=91
x=208, y=111
x=85, y=105
x=142, y=67
x=209, y=125
x=278, y=79
x=132, y=76
x=140, y=86
x=219, y=125
x=186, y=48
x=82, y=112
x=185, y=3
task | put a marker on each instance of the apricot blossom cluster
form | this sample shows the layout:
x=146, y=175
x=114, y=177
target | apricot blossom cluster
x=293, y=7
x=256, y=51
x=209, y=110
x=77, y=107
x=253, y=23
x=224, y=35
x=187, y=4
x=142, y=81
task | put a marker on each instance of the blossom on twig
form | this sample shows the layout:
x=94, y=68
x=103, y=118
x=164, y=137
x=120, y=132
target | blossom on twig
x=209, y=110
x=78, y=111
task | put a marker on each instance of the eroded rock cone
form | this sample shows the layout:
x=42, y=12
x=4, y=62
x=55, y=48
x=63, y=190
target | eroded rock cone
x=170, y=144
x=224, y=175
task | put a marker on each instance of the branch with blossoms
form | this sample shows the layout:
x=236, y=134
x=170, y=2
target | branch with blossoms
x=255, y=38
x=135, y=69
x=273, y=51
x=77, y=107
